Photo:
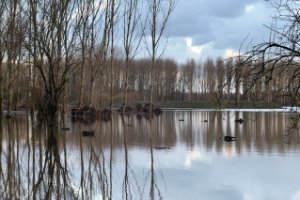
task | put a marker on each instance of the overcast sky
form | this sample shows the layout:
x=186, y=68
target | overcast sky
x=209, y=28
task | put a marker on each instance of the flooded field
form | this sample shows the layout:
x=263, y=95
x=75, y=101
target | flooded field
x=177, y=155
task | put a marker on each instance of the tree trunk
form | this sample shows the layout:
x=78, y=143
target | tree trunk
x=10, y=90
x=125, y=85
x=237, y=93
x=112, y=26
x=83, y=43
x=1, y=88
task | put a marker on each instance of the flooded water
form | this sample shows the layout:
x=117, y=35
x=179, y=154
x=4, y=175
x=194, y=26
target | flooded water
x=175, y=156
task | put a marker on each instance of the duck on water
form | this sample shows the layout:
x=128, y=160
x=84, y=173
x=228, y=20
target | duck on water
x=240, y=120
x=228, y=138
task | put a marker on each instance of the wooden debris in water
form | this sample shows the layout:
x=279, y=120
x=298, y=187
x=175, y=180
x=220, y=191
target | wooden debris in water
x=65, y=128
x=88, y=133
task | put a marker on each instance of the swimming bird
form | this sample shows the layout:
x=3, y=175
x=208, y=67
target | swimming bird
x=228, y=138
x=161, y=147
x=240, y=120
x=65, y=128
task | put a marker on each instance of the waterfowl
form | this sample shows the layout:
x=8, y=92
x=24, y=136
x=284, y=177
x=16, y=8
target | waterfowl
x=65, y=128
x=240, y=120
x=161, y=147
x=228, y=138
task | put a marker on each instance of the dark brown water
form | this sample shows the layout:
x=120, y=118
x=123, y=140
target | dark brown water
x=161, y=158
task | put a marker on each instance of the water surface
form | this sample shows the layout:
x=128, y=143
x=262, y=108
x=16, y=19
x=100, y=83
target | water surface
x=175, y=156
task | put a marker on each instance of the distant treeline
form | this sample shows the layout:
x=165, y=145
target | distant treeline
x=216, y=81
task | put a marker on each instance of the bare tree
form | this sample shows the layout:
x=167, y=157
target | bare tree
x=83, y=40
x=229, y=76
x=112, y=23
x=131, y=38
x=96, y=55
x=189, y=69
x=54, y=47
x=210, y=76
x=220, y=79
x=85, y=12
x=159, y=14
x=103, y=50
x=281, y=53
x=170, y=76
x=238, y=77
x=2, y=48
x=12, y=45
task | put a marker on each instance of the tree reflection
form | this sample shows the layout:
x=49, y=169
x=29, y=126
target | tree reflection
x=2, y=180
x=128, y=189
x=154, y=188
x=42, y=162
x=49, y=176
x=111, y=159
x=126, y=185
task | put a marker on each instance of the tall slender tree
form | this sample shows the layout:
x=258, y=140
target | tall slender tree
x=132, y=36
x=12, y=44
x=159, y=15
x=112, y=23
x=3, y=26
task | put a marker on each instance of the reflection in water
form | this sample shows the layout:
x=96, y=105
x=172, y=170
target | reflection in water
x=136, y=158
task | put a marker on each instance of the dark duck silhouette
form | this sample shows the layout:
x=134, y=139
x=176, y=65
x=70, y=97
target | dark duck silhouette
x=161, y=147
x=228, y=138
x=240, y=120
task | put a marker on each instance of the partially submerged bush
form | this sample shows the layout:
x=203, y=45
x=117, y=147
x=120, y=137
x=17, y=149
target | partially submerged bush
x=105, y=114
x=128, y=110
x=90, y=114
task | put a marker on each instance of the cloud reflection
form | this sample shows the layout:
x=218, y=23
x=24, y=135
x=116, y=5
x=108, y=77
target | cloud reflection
x=195, y=155
x=123, y=163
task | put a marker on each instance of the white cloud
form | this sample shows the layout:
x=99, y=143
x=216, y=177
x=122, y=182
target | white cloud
x=296, y=196
x=248, y=196
x=230, y=53
x=249, y=8
x=183, y=48
x=194, y=51
x=216, y=28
